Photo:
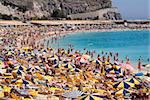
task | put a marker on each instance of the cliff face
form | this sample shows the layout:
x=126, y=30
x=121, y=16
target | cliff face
x=44, y=8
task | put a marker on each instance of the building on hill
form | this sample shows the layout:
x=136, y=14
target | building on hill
x=103, y=14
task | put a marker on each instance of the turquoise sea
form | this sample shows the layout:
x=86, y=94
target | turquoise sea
x=134, y=44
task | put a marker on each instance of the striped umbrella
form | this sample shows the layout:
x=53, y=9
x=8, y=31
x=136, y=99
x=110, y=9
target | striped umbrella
x=57, y=66
x=113, y=71
x=97, y=62
x=37, y=68
x=54, y=57
x=72, y=94
x=91, y=97
x=121, y=92
x=75, y=70
x=19, y=72
x=22, y=68
x=133, y=80
x=123, y=84
x=20, y=81
x=69, y=66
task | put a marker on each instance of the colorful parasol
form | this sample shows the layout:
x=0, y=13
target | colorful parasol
x=123, y=84
x=91, y=97
x=72, y=94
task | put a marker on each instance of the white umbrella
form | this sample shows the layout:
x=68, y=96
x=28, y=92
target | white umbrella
x=73, y=94
x=147, y=66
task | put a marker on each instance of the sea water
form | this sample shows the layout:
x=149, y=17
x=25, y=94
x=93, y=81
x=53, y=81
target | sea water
x=134, y=44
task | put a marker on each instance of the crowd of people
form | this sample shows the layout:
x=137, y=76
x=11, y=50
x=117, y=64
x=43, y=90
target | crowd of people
x=30, y=70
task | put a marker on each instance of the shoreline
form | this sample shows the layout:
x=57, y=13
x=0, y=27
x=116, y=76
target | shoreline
x=52, y=33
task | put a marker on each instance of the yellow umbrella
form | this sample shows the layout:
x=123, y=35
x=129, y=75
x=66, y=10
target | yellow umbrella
x=33, y=92
x=6, y=89
x=123, y=84
x=14, y=96
x=1, y=94
x=21, y=68
x=49, y=78
x=19, y=72
x=122, y=92
x=133, y=80
x=90, y=97
x=27, y=99
x=21, y=81
x=2, y=64
x=54, y=88
x=99, y=91
x=40, y=77
x=97, y=62
x=8, y=75
x=107, y=63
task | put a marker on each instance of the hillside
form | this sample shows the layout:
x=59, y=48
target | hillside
x=45, y=9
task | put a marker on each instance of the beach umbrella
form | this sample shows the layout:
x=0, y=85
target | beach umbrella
x=1, y=94
x=6, y=89
x=2, y=71
x=57, y=66
x=82, y=59
x=2, y=65
x=75, y=70
x=139, y=74
x=145, y=78
x=7, y=75
x=119, y=71
x=27, y=48
x=91, y=97
x=123, y=84
x=106, y=63
x=22, y=68
x=1, y=59
x=19, y=72
x=23, y=93
x=49, y=78
x=68, y=65
x=146, y=66
x=87, y=57
x=127, y=66
x=33, y=92
x=54, y=57
x=54, y=89
x=9, y=53
x=133, y=80
x=20, y=81
x=97, y=62
x=147, y=84
x=72, y=94
x=28, y=98
x=114, y=71
x=121, y=92
x=35, y=68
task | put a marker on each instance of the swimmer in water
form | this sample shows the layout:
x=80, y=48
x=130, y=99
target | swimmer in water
x=148, y=59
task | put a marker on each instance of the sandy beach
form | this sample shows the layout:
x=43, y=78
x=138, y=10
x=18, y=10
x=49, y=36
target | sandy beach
x=30, y=70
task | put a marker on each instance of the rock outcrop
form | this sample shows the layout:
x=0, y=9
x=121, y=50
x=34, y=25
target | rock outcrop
x=43, y=9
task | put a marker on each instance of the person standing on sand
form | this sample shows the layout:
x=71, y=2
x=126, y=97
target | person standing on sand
x=47, y=43
x=139, y=64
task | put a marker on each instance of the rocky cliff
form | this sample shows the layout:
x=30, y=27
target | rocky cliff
x=45, y=9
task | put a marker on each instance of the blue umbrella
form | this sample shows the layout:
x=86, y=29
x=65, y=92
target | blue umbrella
x=139, y=74
x=1, y=58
